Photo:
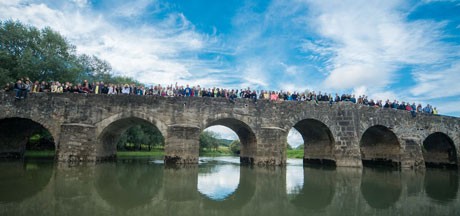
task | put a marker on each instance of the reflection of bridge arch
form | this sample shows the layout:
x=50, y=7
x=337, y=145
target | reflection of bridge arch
x=22, y=180
x=15, y=133
x=240, y=197
x=318, y=189
x=318, y=142
x=441, y=185
x=127, y=185
x=381, y=188
x=439, y=150
x=379, y=145
x=245, y=134
x=110, y=130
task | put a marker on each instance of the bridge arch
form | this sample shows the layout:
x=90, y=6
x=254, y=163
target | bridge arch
x=109, y=131
x=318, y=142
x=15, y=133
x=379, y=145
x=245, y=134
x=439, y=150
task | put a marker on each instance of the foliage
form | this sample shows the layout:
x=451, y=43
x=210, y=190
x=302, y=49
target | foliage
x=235, y=147
x=295, y=153
x=289, y=147
x=40, y=140
x=139, y=136
x=209, y=140
x=45, y=55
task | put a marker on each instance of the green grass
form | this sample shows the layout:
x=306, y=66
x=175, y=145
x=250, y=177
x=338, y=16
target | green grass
x=39, y=154
x=221, y=151
x=294, y=153
x=154, y=153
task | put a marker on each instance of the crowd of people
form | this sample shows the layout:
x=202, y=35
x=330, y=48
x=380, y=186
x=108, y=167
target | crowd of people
x=24, y=86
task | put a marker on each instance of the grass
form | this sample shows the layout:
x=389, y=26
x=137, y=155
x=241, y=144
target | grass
x=40, y=154
x=221, y=151
x=294, y=153
x=154, y=153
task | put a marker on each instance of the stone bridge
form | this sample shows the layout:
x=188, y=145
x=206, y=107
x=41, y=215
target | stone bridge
x=87, y=128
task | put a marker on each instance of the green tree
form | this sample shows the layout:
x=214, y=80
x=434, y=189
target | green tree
x=26, y=51
x=209, y=140
x=235, y=147
x=140, y=135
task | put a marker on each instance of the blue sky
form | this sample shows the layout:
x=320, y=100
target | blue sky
x=395, y=49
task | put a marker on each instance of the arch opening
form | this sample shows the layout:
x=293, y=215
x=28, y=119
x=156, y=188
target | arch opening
x=318, y=142
x=439, y=151
x=130, y=136
x=380, y=147
x=21, y=135
x=245, y=135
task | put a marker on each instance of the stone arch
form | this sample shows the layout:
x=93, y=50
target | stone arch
x=240, y=197
x=318, y=142
x=109, y=130
x=439, y=150
x=15, y=133
x=380, y=146
x=245, y=134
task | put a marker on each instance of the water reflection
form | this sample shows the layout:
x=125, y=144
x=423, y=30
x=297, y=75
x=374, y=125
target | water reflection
x=20, y=180
x=139, y=187
x=441, y=185
x=294, y=177
x=127, y=184
x=223, y=183
x=318, y=188
x=218, y=182
x=381, y=188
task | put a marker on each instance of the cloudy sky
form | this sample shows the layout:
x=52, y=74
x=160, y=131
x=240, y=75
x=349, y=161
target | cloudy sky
x=392, y=49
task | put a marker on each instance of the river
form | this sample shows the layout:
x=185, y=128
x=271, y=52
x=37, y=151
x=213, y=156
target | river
x=220, y=186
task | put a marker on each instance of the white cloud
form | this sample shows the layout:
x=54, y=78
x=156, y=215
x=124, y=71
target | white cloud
x=223, y=132
x=437, y=83
x=294, y=138
x=369, y=41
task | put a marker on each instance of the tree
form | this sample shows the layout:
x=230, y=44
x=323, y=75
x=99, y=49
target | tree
x=235, y=147
x=26, y=51
x=209, y=140
x=141, y=135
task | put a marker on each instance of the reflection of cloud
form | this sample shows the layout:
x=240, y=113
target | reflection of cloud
x=220, y=184
x=294, y=179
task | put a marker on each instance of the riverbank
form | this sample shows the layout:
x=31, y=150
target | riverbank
x=157, y=153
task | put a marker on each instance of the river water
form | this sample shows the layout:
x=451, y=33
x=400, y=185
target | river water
x=220, y=186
